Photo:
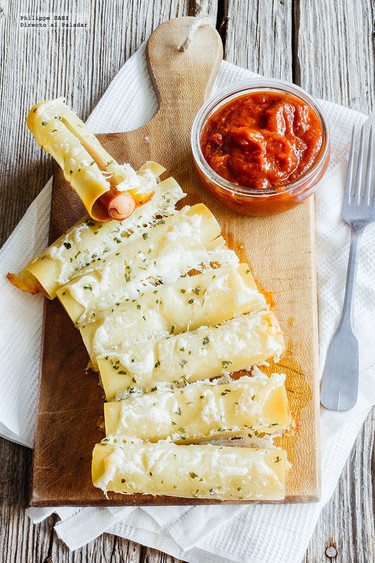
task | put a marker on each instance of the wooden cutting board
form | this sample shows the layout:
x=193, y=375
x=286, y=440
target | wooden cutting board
x=279, y=248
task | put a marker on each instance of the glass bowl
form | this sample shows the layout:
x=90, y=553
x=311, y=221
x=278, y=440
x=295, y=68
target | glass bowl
x=258, y=201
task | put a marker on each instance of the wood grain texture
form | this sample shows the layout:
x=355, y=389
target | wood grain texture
x=259, y=36
x=67, y=452
x=334, y=51
x=334, y=59
x=31, y=72
x=283, y=243
x=328, y=48
x=79, y=63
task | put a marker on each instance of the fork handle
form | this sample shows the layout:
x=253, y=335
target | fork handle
x=347, y=309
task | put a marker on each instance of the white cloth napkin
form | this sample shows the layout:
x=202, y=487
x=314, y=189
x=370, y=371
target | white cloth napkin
x=204, y=534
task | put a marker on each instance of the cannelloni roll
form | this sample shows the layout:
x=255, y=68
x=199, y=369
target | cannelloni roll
x=169, y=249
x=90, y=242
x=201, y=411
x=107, y=189
x=193, y=355
x=218, y=295
x=195, y=471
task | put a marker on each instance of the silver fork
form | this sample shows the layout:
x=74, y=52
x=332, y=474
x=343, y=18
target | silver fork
x=340, y=376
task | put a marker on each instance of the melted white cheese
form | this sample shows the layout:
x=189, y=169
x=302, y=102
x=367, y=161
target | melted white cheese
x=90, y=242
x=203, y=471
x=152, y=260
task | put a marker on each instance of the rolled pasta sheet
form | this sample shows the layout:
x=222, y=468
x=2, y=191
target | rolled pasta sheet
x=194, y=355
x=87, y=166
x=195, y=471
x=89, y=242
x=201, y=411
x=218, y=295
x=169, y=249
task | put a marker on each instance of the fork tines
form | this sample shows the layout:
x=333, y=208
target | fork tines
x=358, y=189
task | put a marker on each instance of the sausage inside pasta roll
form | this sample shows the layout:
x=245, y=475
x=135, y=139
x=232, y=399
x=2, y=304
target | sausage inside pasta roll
x=108, y=190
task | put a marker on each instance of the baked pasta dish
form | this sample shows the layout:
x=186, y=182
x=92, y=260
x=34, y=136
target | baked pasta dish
x=174, y=325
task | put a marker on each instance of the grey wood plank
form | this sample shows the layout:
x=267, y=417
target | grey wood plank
x=18, y=537
x=31, y=73
x=346, y=525
x=259, y=36
x=328, y=48
x=334, y=59
x=37, y=64
x=334, y=51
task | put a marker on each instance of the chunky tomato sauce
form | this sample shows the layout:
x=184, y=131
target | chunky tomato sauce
x=262, y=139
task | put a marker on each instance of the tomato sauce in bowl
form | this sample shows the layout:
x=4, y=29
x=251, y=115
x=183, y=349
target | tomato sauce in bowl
x=261, y=150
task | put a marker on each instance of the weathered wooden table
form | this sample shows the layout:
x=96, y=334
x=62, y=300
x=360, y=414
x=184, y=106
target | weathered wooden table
x=326, y=46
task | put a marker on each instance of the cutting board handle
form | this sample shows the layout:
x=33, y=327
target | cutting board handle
x=183, y=77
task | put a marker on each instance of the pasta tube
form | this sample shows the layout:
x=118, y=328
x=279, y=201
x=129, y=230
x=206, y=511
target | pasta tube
x=202, y=411
x=196, y=471
x=171, y=248
x=107, y=189
x=194, y=355
x=218, y=295
x=90, y=242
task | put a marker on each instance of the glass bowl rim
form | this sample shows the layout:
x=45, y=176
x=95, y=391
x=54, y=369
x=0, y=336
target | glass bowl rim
x=239, y=89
